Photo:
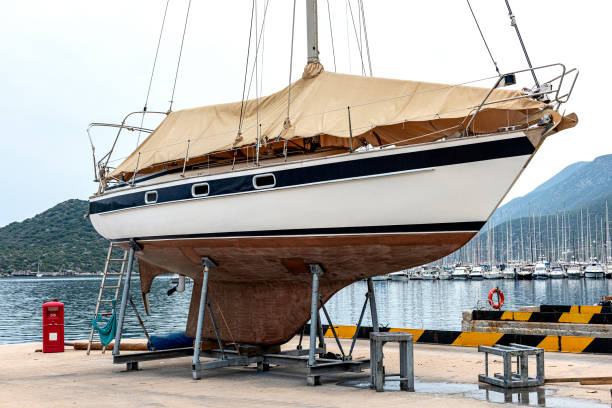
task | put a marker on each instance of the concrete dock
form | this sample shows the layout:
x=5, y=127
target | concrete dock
x=446, y=376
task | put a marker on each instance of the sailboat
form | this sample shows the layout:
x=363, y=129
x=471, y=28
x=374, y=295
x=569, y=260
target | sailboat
x=360, y=175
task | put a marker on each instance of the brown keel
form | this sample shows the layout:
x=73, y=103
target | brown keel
x=261, y=290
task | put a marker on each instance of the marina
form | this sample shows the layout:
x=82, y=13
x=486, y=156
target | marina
x=436, y=304
x=381, y=214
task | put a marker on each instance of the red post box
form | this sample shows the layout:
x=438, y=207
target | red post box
x=53, y=327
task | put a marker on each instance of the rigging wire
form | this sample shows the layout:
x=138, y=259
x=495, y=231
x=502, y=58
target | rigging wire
x=246, y=70
x=363, y=71
x=348, y=37
x=365, y=33
x=258, y=43
x=331, y=33
x=518, y=34
x=152, y=71
x=291, y=66
x=178, y=64
x=483, y=37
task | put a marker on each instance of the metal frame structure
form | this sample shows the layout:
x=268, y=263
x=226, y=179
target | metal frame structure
x=243, y=355
x=377, y=368
x=510, y=379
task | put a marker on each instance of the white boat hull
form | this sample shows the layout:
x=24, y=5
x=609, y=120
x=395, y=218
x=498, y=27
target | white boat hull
x=425, y=196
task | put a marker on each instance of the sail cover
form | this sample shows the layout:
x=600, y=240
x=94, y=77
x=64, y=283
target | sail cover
x=382, y=111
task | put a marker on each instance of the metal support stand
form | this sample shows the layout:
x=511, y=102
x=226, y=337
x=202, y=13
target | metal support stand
x=125, y=295
x=245, y=355
x=317, y=271
x=511, y=379
x=207, y=264
x=377, y=368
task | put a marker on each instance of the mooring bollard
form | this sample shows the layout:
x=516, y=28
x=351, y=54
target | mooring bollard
x=377, y=368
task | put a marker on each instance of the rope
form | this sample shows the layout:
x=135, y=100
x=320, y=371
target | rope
x=348, y=37
x=178, y=64
x=153, y=71
x=365, y=33
x=258, y=43
x=331, y=33
x=483, y=37
x=291, y=64
x=246, y=70
x=356, y=37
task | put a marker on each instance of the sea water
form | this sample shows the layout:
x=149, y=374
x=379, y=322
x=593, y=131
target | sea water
x=410, y=304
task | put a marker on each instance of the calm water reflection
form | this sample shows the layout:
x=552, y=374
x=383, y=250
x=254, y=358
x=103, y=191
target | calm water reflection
x=438, y=304
x=414, y=304
x=21, y=313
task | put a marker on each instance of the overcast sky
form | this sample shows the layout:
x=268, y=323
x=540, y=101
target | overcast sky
x=64, y=64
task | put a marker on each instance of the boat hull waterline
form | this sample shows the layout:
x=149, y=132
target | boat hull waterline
x=355, y=227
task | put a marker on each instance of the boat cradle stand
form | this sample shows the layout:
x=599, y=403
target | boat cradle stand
x=244, y=355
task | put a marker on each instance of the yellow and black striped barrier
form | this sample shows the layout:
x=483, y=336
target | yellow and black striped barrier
x=575, y=309
x=567, y=344
x=587, y=315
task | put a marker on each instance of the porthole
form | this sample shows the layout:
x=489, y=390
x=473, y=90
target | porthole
x=200, y=190
x=264, y=181
x=151, y=197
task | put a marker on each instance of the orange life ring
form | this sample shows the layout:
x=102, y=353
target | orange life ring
x=500, y=298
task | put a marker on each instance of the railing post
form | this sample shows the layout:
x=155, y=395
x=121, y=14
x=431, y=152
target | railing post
x=136, y=169
x=186, y=158
x=348, y=109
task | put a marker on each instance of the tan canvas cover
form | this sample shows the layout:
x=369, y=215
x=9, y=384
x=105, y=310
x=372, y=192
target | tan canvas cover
x=381, y=110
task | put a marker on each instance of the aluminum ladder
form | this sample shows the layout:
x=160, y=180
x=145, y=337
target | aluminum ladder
x=104, y=288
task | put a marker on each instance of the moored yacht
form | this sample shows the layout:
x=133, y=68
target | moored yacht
x=573, y=272
x=557, y=272
x=429, y=274
x=399, y=276
x=540, y=271
x=509, y=272
x=493, y=273
x=460, y=273
x=476, y=273
x=525, y=272
x=594, y=270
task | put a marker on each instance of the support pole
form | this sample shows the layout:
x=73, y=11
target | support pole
x=207, y=264
x=125, y=296
x=373, y=311
x=314, y=313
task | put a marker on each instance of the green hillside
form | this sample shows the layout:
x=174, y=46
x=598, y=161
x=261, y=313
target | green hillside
x=60, y=238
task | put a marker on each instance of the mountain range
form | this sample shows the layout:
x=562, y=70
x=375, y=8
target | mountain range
x=61, y=238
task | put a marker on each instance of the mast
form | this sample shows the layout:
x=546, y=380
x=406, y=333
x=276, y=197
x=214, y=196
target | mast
x=522, y=247
x=607, y=258
x=312, y=36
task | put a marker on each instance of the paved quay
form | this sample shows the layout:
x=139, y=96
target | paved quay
x=446, y=376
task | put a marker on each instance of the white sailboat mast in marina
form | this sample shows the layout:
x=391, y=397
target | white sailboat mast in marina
x=360, y=175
